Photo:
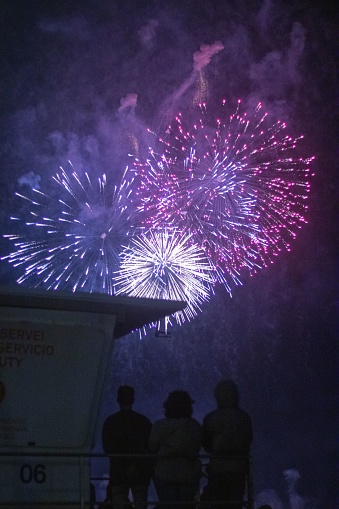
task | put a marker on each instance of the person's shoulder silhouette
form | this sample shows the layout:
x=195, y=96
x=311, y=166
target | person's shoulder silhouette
x=227, y=436
x=126, y=433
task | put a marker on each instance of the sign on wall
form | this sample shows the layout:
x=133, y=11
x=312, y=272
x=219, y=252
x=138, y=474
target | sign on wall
x=52, y=368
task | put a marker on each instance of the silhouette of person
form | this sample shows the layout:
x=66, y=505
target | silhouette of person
x=227, y=436
x=176, y=440
x=127, y=432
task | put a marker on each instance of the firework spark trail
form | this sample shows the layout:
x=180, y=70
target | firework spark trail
x=201, y=59
x=164, y=264
x=73, y=241
x=222, y=196
x=233, y=183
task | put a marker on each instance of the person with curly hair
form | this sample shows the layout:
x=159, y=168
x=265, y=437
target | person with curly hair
x=176, y=439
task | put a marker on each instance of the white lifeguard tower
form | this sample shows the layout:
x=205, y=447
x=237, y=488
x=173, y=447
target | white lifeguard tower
x=55, y=349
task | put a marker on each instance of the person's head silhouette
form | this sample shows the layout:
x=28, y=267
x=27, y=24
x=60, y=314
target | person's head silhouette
x=178, y=404
x=125, y=396
x=226, y=394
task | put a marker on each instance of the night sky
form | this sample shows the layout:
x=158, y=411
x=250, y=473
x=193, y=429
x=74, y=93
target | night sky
x=67, y=71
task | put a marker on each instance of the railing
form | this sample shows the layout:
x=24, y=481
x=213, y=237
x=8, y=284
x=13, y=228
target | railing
x=36, y=473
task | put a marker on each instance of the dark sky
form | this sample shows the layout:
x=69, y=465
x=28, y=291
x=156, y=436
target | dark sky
x=66, y=66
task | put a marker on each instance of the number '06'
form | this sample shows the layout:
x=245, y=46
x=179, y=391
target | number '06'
x=29, y=473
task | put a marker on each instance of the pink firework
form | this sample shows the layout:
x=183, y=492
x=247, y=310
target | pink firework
x=235, y=183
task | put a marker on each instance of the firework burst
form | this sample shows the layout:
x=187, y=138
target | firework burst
x=164, y=264
x=233, y=183
x=72, y=241
x=218, y=197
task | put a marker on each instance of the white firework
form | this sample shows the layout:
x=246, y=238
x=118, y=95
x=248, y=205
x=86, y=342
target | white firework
x=165, y=264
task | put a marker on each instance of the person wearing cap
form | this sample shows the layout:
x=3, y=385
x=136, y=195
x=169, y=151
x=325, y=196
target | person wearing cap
x=127, y=432
x=227, y=436
x=176, y=440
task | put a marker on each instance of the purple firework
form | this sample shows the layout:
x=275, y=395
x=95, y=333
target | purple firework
x=234, y=183
x=73, y=238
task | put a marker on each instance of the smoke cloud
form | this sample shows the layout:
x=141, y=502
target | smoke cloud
x=203, y=57
x=30, y=179
x=279, y=70
x=295, y=500
x=129, y=101
x=291, y=477
x=147, y=34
